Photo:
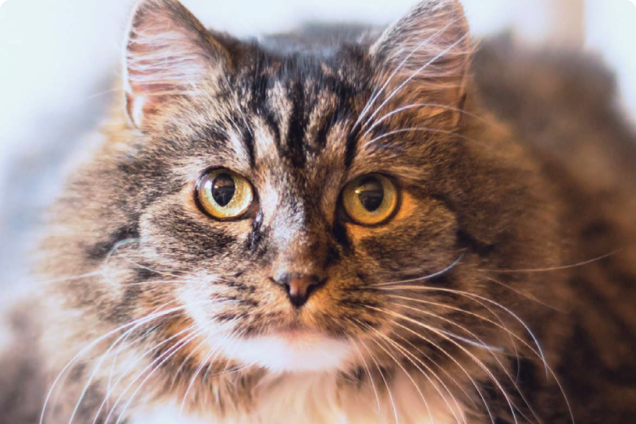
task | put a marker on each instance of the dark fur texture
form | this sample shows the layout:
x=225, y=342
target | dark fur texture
x=518, y=170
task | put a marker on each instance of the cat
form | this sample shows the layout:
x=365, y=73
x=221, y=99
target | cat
x=338, y=226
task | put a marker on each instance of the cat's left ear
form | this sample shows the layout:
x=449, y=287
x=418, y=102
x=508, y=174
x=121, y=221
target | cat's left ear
x=425, y=57
x=169, y=55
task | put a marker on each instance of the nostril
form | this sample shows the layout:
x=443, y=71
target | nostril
x=299, y=287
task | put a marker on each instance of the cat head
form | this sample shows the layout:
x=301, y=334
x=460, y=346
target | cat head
x=296, y=211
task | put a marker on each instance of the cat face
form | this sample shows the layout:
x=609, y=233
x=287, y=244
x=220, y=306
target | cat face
x=278, y=200
x=290, y=267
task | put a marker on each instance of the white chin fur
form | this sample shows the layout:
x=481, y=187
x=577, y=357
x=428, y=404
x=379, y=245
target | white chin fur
x=289, y=353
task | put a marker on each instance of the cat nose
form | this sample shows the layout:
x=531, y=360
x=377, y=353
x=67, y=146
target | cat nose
x=299, y=287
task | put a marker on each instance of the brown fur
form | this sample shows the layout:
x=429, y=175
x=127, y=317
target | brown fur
x=516, y=165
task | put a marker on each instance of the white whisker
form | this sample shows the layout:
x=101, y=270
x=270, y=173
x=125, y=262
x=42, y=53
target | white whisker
x=426, y=277
x=481, y=344
x=368, y=371
x=416, y=73
x=386, y=384
x=157, y=364
x=463, y=349
x=209, y=360
x=527, y=296
x=111, y=390
x=485, y=299
x=512, y=336
x=473, y=296
x=432, y=372
x=557, y=268
x=93, y=344
x=419, y=106
x=460, y=366
x=396, y=345
x=426, y=129
x=397, y=69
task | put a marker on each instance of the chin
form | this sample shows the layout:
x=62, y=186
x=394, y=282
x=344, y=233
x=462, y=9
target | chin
x=291, y=352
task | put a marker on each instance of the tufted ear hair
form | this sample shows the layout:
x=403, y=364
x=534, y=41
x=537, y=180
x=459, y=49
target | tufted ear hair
x=425, y=56
x=169, y=54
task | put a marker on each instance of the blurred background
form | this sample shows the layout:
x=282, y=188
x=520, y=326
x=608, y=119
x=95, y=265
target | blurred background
x=58, y=60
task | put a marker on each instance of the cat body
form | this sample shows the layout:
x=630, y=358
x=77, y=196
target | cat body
x=350, y=227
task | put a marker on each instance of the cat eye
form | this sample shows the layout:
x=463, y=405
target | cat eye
x=225, y=195
x=370, y=200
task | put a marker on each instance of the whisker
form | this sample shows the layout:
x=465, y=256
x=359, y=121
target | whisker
x=386, y=384
x=473, y=296
x=416, y=73
x=98, y=272
x=435, y=35
x=453, y=308
x=236, y=336
x=501, y=324
x=430, y=130
x=402, y=350
x=558, y=268
x=424, y=105
x=116, y=251
x=71, y=278
x=373, y=99
x=209, y=359
x=463, y=349
x=158, y=283
x=417, y=388
x=460, y=366
x=140, y=266
x=426, y=277
x=442, y=369
x=501, y=365
x=527, y=296
x=111, y=390
x=476, y=296
x=94, y=343
x=185, y=361
x=366, y=367
x=140, y=339
x=480, y=344
x=233, y=335
x=119, y=350
x=157, y=364
x=103, y=93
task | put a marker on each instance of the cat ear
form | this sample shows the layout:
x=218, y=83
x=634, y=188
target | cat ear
x=425, y=56
x=169, y=54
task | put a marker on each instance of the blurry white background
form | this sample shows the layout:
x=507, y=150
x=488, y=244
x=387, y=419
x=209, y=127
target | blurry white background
x=58, y=58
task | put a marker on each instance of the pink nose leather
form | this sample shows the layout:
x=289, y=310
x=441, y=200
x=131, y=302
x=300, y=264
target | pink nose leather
x=299, y=287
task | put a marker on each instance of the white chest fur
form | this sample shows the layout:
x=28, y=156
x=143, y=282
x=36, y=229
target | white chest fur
x=165, y=414
x=317, y=399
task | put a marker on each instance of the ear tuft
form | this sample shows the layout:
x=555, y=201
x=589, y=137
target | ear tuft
x=168, y=53
x=426, y=54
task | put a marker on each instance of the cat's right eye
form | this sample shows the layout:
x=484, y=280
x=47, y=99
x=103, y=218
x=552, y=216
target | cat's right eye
x=225, y=195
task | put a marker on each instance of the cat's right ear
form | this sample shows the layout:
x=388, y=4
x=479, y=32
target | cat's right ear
x=169, y=55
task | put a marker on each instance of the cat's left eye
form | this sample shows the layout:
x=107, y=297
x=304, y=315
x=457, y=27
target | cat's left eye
x=225, y=195
x=370, y=200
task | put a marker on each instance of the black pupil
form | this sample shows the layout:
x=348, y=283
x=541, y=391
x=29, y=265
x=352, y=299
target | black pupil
x=371, y=194
x=223, y=190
